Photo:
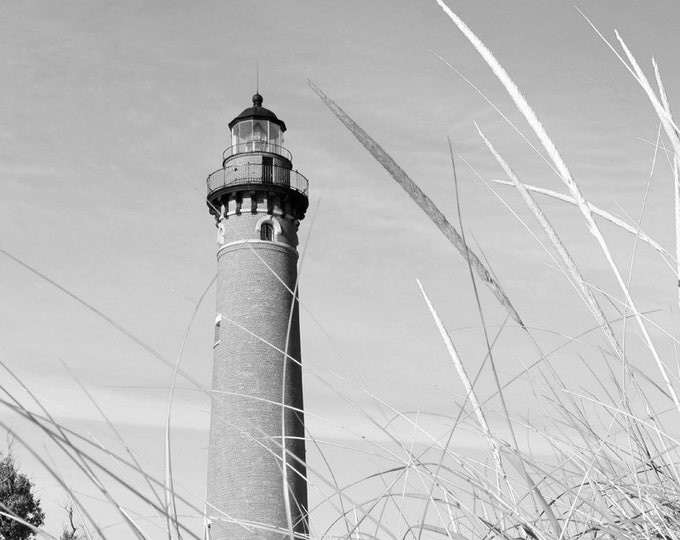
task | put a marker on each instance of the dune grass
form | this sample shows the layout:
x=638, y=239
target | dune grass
x=615, y=476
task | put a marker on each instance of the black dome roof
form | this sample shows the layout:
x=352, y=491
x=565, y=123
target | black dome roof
x=257, y=111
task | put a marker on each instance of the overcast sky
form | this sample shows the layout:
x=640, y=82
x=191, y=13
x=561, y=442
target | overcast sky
x=113, y=113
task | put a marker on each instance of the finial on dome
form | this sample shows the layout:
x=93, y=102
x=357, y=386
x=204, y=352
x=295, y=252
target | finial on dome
x=257, y=100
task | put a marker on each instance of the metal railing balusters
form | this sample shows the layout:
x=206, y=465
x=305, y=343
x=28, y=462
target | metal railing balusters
x=253, y=147
x=256, y=173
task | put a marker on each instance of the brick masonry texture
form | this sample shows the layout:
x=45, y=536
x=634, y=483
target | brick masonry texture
x=251, y=375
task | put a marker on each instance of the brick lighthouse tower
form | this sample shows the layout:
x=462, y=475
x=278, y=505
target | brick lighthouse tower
x=256, y=461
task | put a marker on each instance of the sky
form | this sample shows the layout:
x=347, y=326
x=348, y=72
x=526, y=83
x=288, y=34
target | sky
x=113, y=114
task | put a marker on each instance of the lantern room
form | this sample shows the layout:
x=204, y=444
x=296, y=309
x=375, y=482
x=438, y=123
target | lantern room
x=257, y=129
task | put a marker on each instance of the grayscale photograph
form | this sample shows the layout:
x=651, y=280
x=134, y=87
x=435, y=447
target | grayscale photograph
x=360, y=270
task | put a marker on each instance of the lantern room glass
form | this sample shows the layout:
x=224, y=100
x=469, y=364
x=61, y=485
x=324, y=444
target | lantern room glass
x=256, y=136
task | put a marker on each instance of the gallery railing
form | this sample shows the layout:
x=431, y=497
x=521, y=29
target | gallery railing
x=256, y=173
x=254, y=147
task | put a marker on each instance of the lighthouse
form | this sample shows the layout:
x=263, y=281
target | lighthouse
x=257, y=486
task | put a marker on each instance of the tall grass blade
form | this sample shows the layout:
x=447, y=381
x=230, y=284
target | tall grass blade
x=540, y=131
x=422, y=200
x=119, y=437
x=598, y=212
x=465, y=380
x=533, y=487
x=568, y=261
x=170, y=502
x=127, y=333
x=676, y=170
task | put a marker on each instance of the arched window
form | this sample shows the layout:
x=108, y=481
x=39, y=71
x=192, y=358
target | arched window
x=267, y=231
x=269, y=228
